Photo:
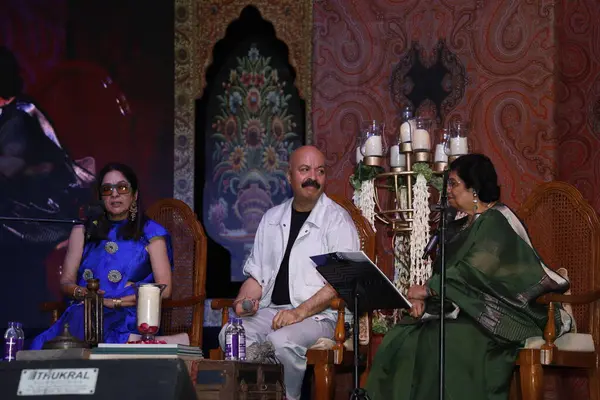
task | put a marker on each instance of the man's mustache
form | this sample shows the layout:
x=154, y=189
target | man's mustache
x=311, y=182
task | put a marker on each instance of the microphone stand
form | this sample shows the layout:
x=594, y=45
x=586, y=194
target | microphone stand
x=442, y=338
x=48, y=220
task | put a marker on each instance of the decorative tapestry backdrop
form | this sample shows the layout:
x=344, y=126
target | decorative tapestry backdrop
x=255, y=119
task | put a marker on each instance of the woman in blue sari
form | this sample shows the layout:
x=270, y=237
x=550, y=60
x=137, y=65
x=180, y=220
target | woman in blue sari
x=120, y=248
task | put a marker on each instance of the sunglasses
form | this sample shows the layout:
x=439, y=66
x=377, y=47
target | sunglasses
x=121, y=188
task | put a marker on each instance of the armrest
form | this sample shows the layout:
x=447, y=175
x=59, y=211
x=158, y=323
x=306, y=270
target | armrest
x=221, y=304
x=338, y=304
x=224, y=305
x=585, y=298
x=340, y=329
x=550, y=330
x=187, y=302
x=55, y=307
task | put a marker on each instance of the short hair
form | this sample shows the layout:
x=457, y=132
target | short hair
x=11, y=83
x=477, y=172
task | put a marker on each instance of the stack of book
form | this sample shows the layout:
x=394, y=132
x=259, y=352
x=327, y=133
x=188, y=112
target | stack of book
x=116, y=350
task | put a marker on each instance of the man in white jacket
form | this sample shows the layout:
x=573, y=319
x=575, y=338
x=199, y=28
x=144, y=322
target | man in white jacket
x=289, y=297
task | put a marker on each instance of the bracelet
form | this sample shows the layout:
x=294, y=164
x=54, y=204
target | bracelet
x=78, y=293
x=117, y=303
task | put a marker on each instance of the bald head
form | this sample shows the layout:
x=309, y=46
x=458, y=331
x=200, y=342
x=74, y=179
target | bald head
x=307, y=176
x=301, y=153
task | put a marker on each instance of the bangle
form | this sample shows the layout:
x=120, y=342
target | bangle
x=78, y=293
x=117, y=303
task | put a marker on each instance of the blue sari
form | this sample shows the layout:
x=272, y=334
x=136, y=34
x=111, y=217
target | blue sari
x=116, y=263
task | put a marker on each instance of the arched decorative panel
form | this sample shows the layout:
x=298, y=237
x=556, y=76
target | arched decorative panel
x=199, y=25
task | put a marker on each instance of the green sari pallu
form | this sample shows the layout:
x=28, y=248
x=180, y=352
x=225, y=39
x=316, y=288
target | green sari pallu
x=493, y=276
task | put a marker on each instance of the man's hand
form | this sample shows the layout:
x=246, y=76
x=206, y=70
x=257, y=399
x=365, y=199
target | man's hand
x=417, y=292
x=287, y=317
x=417, y=309
x=239, y=310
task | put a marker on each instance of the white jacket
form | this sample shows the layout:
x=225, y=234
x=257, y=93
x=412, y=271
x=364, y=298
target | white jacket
x=328, y=228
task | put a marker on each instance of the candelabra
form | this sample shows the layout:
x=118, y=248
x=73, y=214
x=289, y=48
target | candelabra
x=410, y=154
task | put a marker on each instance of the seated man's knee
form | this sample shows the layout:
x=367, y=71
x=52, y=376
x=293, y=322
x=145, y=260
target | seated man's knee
x=279, y=339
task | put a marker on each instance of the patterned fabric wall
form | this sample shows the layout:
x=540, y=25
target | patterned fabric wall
x=532, y=95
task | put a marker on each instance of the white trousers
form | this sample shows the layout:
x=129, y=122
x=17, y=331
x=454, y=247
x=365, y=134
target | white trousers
x=290, y=342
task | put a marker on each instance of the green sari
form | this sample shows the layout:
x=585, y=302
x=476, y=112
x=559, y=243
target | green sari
x=494, y=276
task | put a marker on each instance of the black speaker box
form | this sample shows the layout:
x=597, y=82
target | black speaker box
x=164, y=379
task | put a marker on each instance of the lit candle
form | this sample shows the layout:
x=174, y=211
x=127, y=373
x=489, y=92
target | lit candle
x=440, y=154
x=397, y=159
x=420, y=140
x=359, y=155
x=374, y=146
x=405, y=130
x=459, y=146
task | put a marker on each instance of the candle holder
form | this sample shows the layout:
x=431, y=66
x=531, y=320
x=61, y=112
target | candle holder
x=459, y=144
x=442, y=148
x=421, y=142
x=93, y=303
x=372, y=144
x=148, y=309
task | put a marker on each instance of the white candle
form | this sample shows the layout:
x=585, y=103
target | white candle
x=148, y=305
x=359, y=155
x=374, y=146
x=421, y=140
x=459, y=146
x=440, y=154
x=406, y=129
x=397, y=159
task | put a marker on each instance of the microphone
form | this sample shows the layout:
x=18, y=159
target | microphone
x=450, y=214
x=247, y=305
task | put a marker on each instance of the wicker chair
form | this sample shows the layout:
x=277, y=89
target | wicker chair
x=565, y=230
x=184, y=311
x=326, y=361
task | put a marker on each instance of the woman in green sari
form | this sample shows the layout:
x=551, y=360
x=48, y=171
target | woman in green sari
x=493, y=276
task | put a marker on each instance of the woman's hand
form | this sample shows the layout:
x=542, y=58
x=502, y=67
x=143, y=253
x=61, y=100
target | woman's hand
x=109, y=303
x=418, y=308
x=417, y=292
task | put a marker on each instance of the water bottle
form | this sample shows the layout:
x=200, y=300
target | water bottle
x=229, y=334
x=21, y=337
x=13, y=341
x=235, y=340
x=241, y=341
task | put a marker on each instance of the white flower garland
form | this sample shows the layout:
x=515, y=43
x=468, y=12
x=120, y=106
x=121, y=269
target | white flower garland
x=420, y=270
x=364, y=199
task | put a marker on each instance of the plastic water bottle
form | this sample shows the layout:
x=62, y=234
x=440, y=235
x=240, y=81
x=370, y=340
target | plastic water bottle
x=13, y=341
x=230, y=333
x=21, y=338
x=241, y=341
x=235, y=340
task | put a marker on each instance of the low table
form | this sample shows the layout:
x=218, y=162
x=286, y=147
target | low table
x=235, y=380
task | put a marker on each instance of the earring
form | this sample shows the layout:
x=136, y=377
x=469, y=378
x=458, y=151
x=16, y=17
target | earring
x=133, y=211
x=475, y=201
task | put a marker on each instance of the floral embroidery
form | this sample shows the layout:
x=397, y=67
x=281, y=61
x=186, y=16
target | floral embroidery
x=114, y=276
x=111, y=247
